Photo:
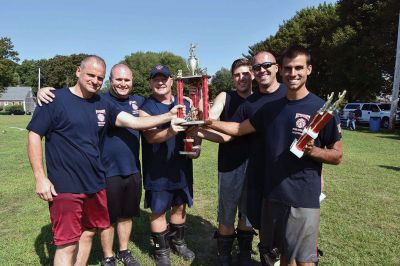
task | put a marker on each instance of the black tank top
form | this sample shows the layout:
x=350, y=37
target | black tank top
x=234, y=153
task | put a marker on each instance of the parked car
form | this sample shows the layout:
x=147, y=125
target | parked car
x=381, y=110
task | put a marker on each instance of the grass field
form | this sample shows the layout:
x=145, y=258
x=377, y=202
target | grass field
x=360, y=223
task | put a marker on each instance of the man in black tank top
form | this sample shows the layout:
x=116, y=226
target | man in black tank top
x=232, y=164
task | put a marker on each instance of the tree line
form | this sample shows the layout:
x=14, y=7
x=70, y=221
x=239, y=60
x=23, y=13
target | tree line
x=353, y=44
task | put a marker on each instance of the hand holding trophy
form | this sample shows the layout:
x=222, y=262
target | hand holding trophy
x=324, y=114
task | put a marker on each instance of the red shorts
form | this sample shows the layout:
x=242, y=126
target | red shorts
x=71, y=214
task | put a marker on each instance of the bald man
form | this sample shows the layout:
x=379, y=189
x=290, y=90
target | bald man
x=120, y=156
x=74, y=126
x=265, y=69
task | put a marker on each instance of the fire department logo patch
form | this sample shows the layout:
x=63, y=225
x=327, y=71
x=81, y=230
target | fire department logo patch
x=101, y=117
x=301, y=121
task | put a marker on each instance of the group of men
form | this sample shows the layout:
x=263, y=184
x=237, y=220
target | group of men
x=94, y=178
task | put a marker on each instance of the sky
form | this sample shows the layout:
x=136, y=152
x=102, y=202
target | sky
x=222, y=29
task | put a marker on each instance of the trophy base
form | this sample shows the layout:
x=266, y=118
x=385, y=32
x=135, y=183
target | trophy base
x=193, y=123
x=295, y=150
x=187, y=153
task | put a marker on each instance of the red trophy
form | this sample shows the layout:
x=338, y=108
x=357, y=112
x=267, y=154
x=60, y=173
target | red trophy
x=198, y=84
x=324, y=114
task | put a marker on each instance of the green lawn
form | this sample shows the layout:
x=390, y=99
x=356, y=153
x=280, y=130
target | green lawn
x=360, y=222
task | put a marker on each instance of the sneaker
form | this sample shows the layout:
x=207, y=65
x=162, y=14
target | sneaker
x=109, y=261
x=127, y=258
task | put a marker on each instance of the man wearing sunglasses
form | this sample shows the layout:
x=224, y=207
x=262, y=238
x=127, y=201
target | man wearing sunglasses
x=290, y=212
x=264, y=68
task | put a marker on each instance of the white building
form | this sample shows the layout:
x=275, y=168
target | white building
x=19, y=95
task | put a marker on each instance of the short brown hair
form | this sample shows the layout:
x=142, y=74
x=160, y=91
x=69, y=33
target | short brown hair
x=294, y=51
x=240, y=62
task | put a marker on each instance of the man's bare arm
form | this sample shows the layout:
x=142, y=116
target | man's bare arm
x=156, y=135
x=218, y=106
x=209, y=134
x=44, y=188
x=233, y=128
x=330, y=155
x=140, y=123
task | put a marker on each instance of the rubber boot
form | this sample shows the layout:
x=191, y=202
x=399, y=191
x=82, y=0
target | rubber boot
x=224, y=247
x=161, y=248
x=178, y=243
x=268, y=257
x=245, y=241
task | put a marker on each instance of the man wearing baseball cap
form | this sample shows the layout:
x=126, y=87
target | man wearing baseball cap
x=167, y=175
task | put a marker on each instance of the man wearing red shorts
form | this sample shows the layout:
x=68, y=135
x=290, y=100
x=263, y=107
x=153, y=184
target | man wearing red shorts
x=74, y=125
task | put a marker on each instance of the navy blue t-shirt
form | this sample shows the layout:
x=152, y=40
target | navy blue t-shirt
x=289, y=179
x=234, y=153
x=252, y=104
x=120, y=153
x=74, y=129
x=255, y=168
x=163, y=167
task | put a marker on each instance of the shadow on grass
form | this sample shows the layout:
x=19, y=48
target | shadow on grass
x=395, y=136
x=199, y=235
x=43, y=246
x=394, y=168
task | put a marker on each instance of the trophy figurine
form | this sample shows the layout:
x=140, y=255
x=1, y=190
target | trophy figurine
x=198, y=82
x=324, y=114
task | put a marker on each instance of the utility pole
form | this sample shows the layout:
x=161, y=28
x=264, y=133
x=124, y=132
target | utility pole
x=39, y=80
x=396, y=82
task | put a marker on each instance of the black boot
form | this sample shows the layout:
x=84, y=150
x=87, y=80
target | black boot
x=268, y=257
x=161, y=248
x=245, y=241
x=177, y=242
x=224, y=247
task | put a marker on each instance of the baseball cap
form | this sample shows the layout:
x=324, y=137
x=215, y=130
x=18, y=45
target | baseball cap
x=159, y=70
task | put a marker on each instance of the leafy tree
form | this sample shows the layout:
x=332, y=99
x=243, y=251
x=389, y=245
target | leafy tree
x=221, y=81
x=366, y=42
x=142, y=62
x=60, y=70
x=310, y=27
x=7, y=50
x=8, y=59
x=27, y=73
x=352, y=43
x=106, y=86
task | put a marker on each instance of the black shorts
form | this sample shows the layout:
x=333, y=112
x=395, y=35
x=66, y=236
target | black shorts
x=123, y=196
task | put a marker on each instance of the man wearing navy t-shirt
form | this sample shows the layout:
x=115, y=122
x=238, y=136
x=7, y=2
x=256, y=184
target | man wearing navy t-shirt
x=290, y=207
x=167, y=175
x=232, y=164
x=120, y=156
x=74, y=126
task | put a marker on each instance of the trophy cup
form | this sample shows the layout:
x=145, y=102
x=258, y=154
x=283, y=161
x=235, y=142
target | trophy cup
x=198, y=82
x=324, y=114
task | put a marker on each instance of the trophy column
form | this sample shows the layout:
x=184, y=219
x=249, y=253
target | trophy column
x=197, y=78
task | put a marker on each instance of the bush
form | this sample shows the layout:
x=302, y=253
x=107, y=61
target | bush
x=16, y=109
x=1, y=108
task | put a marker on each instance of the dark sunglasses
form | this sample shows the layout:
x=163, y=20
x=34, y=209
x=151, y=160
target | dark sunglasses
x=265, y=65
